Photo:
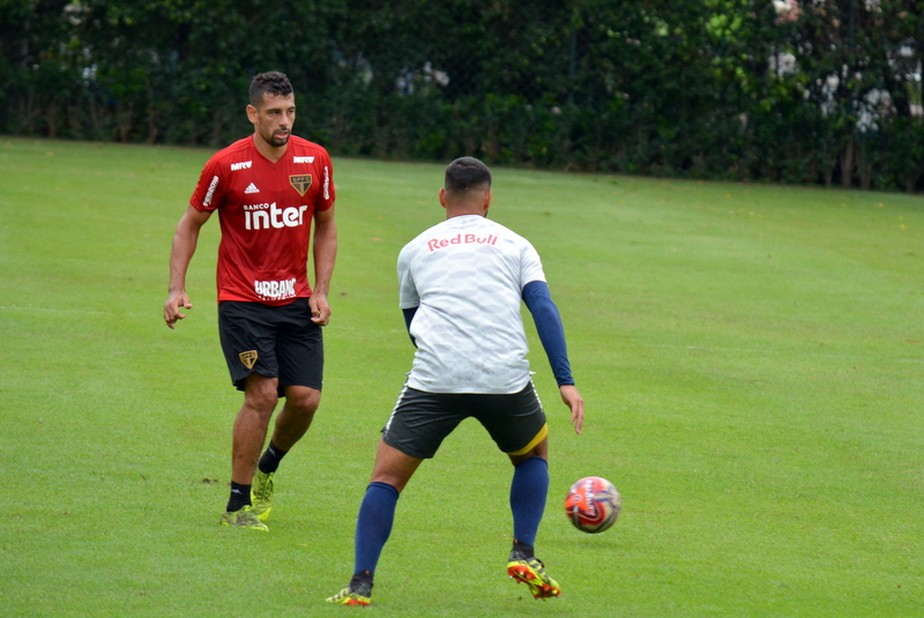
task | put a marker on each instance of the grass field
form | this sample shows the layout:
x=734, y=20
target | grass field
x=752, y=359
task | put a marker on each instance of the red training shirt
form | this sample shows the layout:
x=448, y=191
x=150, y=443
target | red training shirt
x=265, y=210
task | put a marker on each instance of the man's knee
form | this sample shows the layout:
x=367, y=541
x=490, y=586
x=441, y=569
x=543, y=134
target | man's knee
x=261, y=393
x=303, y=399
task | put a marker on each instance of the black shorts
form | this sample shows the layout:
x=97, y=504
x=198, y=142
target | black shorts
x=276, y=342
x=420, y=421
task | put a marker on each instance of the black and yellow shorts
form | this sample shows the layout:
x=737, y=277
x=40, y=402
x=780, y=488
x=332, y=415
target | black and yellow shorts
x=420, y=420
x=276, y=342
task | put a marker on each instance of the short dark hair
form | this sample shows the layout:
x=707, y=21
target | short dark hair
x=271, y=82
x=467, y=173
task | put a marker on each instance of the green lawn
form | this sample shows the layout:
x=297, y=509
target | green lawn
x=752, y=359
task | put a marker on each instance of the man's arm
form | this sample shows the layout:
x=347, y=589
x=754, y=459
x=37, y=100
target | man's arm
x=325, y=255
x=185, y=241
x=545, y=314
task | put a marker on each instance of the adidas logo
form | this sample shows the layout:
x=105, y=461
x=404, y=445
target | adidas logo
x=251, y=188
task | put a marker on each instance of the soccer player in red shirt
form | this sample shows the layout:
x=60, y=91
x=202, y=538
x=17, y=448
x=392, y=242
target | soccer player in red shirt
x=268, y=189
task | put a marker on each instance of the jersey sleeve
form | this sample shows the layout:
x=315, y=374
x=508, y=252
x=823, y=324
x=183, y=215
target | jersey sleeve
x=211, y=186
x=408, y=298
x=530, y=266
x=328, y=193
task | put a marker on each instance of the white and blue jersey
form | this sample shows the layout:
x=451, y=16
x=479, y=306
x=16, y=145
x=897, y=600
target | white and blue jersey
x=466, y=277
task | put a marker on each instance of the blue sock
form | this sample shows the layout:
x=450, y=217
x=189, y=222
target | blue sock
x=528, y=493
x=373, y=525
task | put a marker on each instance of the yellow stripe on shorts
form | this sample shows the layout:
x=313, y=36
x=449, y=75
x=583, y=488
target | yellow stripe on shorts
x=540, y=436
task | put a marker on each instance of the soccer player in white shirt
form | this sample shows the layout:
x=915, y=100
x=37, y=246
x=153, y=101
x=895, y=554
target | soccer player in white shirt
x=461, y=284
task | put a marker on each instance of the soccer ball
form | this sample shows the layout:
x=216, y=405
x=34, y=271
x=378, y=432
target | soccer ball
x=593, y=504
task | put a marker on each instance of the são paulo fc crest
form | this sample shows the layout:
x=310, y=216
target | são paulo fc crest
x=300, y=182
x=249, y=358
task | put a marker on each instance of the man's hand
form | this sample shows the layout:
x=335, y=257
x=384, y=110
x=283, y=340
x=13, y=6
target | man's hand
x=574, y=401
x=320, y=309
x=175, y=301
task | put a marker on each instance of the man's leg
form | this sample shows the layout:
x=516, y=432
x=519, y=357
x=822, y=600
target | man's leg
x=392, y=470
x=260, y=399
x=528, y=492
x=295, y=418
x=292, y=423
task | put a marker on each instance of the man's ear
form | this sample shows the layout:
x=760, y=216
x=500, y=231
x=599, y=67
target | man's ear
x=443, y=197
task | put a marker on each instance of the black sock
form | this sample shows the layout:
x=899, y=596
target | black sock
x=240, y=497
x=523, y=549
x=269, y=462
x=362, y=583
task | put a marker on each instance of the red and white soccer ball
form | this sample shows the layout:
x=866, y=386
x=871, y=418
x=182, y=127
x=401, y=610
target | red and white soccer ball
x=593, y=504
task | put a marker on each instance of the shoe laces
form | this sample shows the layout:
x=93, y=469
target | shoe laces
x=265, y=488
